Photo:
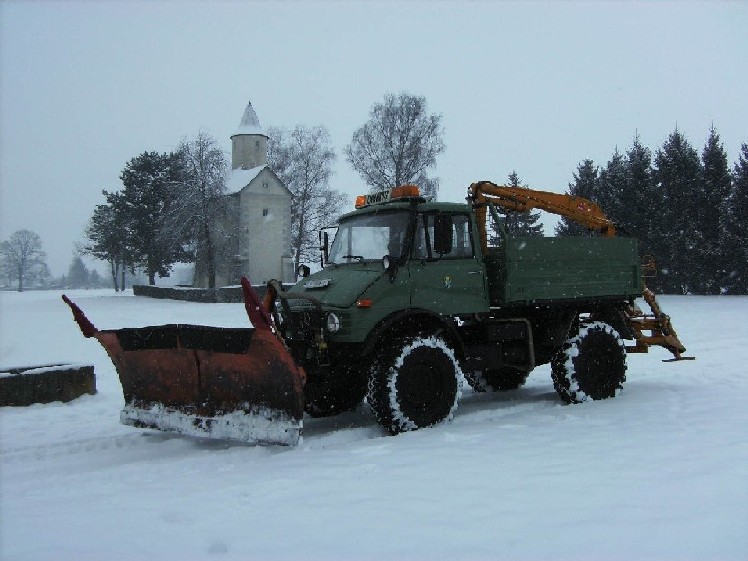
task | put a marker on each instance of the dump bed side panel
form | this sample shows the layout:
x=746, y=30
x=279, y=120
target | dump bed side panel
x=533, y=269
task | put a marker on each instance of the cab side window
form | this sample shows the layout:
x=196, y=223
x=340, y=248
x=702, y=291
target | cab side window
x=462, y=243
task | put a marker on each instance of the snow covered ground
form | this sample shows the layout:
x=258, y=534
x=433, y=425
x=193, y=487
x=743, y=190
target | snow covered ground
x=661, y=472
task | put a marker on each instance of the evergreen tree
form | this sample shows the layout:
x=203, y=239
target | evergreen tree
x=94, y=279
x=106, y=238
x=78, y=275
x=148, y=198
x=735, y=230
x=678, y=175
x=520, y=223
x=639, y=198
x=715, y=184
x=586, y=185
x=610, y=188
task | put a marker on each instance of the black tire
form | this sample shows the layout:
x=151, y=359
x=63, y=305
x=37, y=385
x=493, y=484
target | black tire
x=591, y=365
x=497, y=379
x=341, y=392
x=414, y=384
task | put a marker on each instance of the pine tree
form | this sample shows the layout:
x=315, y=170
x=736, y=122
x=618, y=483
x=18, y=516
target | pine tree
x=611, y=186
x=78, y=275
x=735, y=230
x=586, y=185
x=639, y=198
x=678, y=175
x=715, y=184
x=148, y=198
x=521, y=223
x=106, y=238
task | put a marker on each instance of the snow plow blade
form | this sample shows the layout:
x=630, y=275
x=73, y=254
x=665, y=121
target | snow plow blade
x=228, y=383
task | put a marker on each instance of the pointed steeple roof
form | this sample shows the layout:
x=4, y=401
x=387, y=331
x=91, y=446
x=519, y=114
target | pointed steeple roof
x=249, y=124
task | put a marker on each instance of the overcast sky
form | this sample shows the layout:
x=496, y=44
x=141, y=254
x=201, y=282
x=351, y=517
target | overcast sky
x=533, y=87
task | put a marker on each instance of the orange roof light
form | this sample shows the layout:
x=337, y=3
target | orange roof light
x=400, y=192
x=405, y=191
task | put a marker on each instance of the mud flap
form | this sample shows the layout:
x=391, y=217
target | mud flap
x=228, y=383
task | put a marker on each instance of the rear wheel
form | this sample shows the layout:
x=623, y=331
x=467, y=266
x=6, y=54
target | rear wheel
x=415, y=384
x=497, y=379
x=591, y=365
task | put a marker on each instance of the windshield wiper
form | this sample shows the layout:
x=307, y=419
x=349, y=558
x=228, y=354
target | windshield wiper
x=359, y=257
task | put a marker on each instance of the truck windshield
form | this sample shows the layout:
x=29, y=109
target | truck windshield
x=369, y=237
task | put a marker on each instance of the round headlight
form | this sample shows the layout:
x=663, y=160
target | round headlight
x=333, y=323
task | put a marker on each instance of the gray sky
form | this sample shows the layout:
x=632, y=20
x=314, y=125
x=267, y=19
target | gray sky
x=535, y=87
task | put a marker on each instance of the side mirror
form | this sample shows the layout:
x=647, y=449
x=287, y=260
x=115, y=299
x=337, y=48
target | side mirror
x=389, y=263
x=303, y=271
x=324, y=241
x=443, y=232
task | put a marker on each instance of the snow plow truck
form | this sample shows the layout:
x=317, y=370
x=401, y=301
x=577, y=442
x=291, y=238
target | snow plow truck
x=414, y=298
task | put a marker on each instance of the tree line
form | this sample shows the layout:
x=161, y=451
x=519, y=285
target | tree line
x=23, y=262
x=688, y=211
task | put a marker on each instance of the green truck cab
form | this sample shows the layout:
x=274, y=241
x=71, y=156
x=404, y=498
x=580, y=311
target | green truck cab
x=408, y=306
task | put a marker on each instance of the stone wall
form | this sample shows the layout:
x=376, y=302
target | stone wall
x=45, y=384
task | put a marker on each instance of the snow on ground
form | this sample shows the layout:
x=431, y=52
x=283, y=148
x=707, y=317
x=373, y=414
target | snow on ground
x=660, y=472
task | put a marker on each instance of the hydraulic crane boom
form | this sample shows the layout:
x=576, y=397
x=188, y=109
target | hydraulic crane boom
x=521, y=199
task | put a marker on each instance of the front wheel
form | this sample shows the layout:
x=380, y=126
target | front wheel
x=414, y=384
x=591, y=365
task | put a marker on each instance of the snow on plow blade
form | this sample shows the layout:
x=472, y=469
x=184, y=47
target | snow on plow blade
x=228, y=383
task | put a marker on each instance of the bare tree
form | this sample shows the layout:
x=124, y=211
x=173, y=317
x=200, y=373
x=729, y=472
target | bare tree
x=22, y=257
x=302, y=159
x=398, y=144
x=203, y=212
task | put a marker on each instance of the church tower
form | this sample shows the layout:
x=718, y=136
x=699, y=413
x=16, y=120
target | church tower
x=249, y=144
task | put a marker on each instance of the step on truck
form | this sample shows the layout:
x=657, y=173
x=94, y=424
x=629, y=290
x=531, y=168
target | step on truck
x=414, y=298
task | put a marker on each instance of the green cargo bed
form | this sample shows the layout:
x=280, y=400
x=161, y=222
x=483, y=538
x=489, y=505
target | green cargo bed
x=533, y=269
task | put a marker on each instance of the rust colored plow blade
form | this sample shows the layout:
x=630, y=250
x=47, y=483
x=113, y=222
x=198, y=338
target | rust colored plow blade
x=229, y=383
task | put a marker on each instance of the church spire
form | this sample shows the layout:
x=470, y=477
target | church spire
x=249, y=124
x=249, y=142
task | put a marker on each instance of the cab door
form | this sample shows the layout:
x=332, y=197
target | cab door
x=446, y=277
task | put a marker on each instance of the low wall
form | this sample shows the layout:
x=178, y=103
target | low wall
x=206, y=295
x=43, y=384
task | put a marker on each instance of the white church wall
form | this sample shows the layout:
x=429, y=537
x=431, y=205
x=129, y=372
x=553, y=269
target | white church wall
x=265, y=209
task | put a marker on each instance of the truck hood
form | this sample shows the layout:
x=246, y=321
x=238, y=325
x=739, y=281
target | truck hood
x=340, y=286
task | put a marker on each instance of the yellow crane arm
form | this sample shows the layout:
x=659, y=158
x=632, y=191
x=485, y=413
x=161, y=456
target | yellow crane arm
x=522, y=199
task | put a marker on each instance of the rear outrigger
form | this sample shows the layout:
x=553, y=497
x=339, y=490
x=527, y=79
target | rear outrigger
x=411, y=301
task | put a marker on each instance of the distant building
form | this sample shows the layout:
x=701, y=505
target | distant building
x=261, y=214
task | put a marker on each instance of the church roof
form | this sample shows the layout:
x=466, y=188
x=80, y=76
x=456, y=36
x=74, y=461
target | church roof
x=249, y=124
x=238, y=179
